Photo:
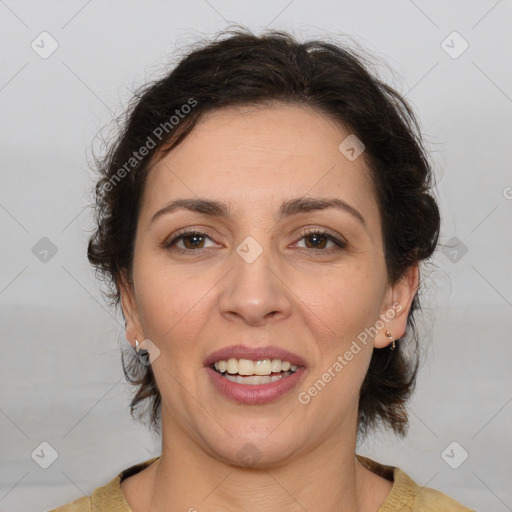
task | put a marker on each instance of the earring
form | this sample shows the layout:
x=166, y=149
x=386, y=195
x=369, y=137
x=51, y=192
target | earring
x=142, y=354
x=390, y=338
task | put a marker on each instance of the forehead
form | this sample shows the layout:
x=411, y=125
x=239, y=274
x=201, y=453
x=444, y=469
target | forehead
x=257, y=156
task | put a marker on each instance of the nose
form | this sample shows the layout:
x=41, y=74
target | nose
x=254, y=291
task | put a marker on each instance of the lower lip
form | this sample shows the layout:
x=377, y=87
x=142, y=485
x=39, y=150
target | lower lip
x=258, y=393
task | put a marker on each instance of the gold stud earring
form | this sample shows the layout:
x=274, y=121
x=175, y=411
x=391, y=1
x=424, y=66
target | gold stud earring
x=390, y=338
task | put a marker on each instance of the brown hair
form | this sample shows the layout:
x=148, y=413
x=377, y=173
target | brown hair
x=236, y=68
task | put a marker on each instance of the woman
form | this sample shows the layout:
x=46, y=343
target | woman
x=261, y=221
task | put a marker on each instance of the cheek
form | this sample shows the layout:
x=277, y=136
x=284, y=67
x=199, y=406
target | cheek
x=343, y=302
x=173, y=305
x=338, y=312
x=340, y=309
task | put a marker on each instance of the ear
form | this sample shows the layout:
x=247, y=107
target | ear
x=133, y=327
x=396, y=307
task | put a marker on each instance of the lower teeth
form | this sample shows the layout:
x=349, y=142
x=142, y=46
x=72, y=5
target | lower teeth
x=255, y=379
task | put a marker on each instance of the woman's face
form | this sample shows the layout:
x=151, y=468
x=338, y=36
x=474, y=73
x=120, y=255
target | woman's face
x=265, y=274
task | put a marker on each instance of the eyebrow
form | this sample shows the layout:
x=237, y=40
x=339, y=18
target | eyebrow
x=287, y=209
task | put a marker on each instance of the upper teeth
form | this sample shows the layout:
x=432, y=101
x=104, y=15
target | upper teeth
x=248, y=367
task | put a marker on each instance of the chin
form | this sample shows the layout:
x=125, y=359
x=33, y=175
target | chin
x=255, y=453
x=244, y=442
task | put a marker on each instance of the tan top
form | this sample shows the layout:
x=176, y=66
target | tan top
x=405, y=496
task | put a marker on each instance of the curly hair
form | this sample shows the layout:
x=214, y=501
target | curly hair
x=238, y=67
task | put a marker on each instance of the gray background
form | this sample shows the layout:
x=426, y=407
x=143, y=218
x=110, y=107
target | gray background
x=60, y=371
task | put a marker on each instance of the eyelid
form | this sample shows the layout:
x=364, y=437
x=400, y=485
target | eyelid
x=324, y=231
x=340, y=242
x=189, y=231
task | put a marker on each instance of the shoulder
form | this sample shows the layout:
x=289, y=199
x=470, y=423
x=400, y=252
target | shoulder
x=424, y=499
x=109, y=497
x=407, y=496
x=82, y=504
x=436, y=501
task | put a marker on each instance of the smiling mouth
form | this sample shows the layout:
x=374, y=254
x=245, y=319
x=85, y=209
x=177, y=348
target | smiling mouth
x=247, y=371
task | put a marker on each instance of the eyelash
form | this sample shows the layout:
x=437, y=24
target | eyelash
x=341, y=244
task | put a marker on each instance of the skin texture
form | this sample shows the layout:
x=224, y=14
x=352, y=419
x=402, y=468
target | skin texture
x=293, y=296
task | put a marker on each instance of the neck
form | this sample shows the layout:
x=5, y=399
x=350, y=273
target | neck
x=327, y=477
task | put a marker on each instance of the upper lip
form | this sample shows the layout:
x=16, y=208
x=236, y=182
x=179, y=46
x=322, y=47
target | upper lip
x=254, y=353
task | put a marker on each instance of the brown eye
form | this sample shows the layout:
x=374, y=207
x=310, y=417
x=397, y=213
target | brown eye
x=191, y=241
x=318, y=240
